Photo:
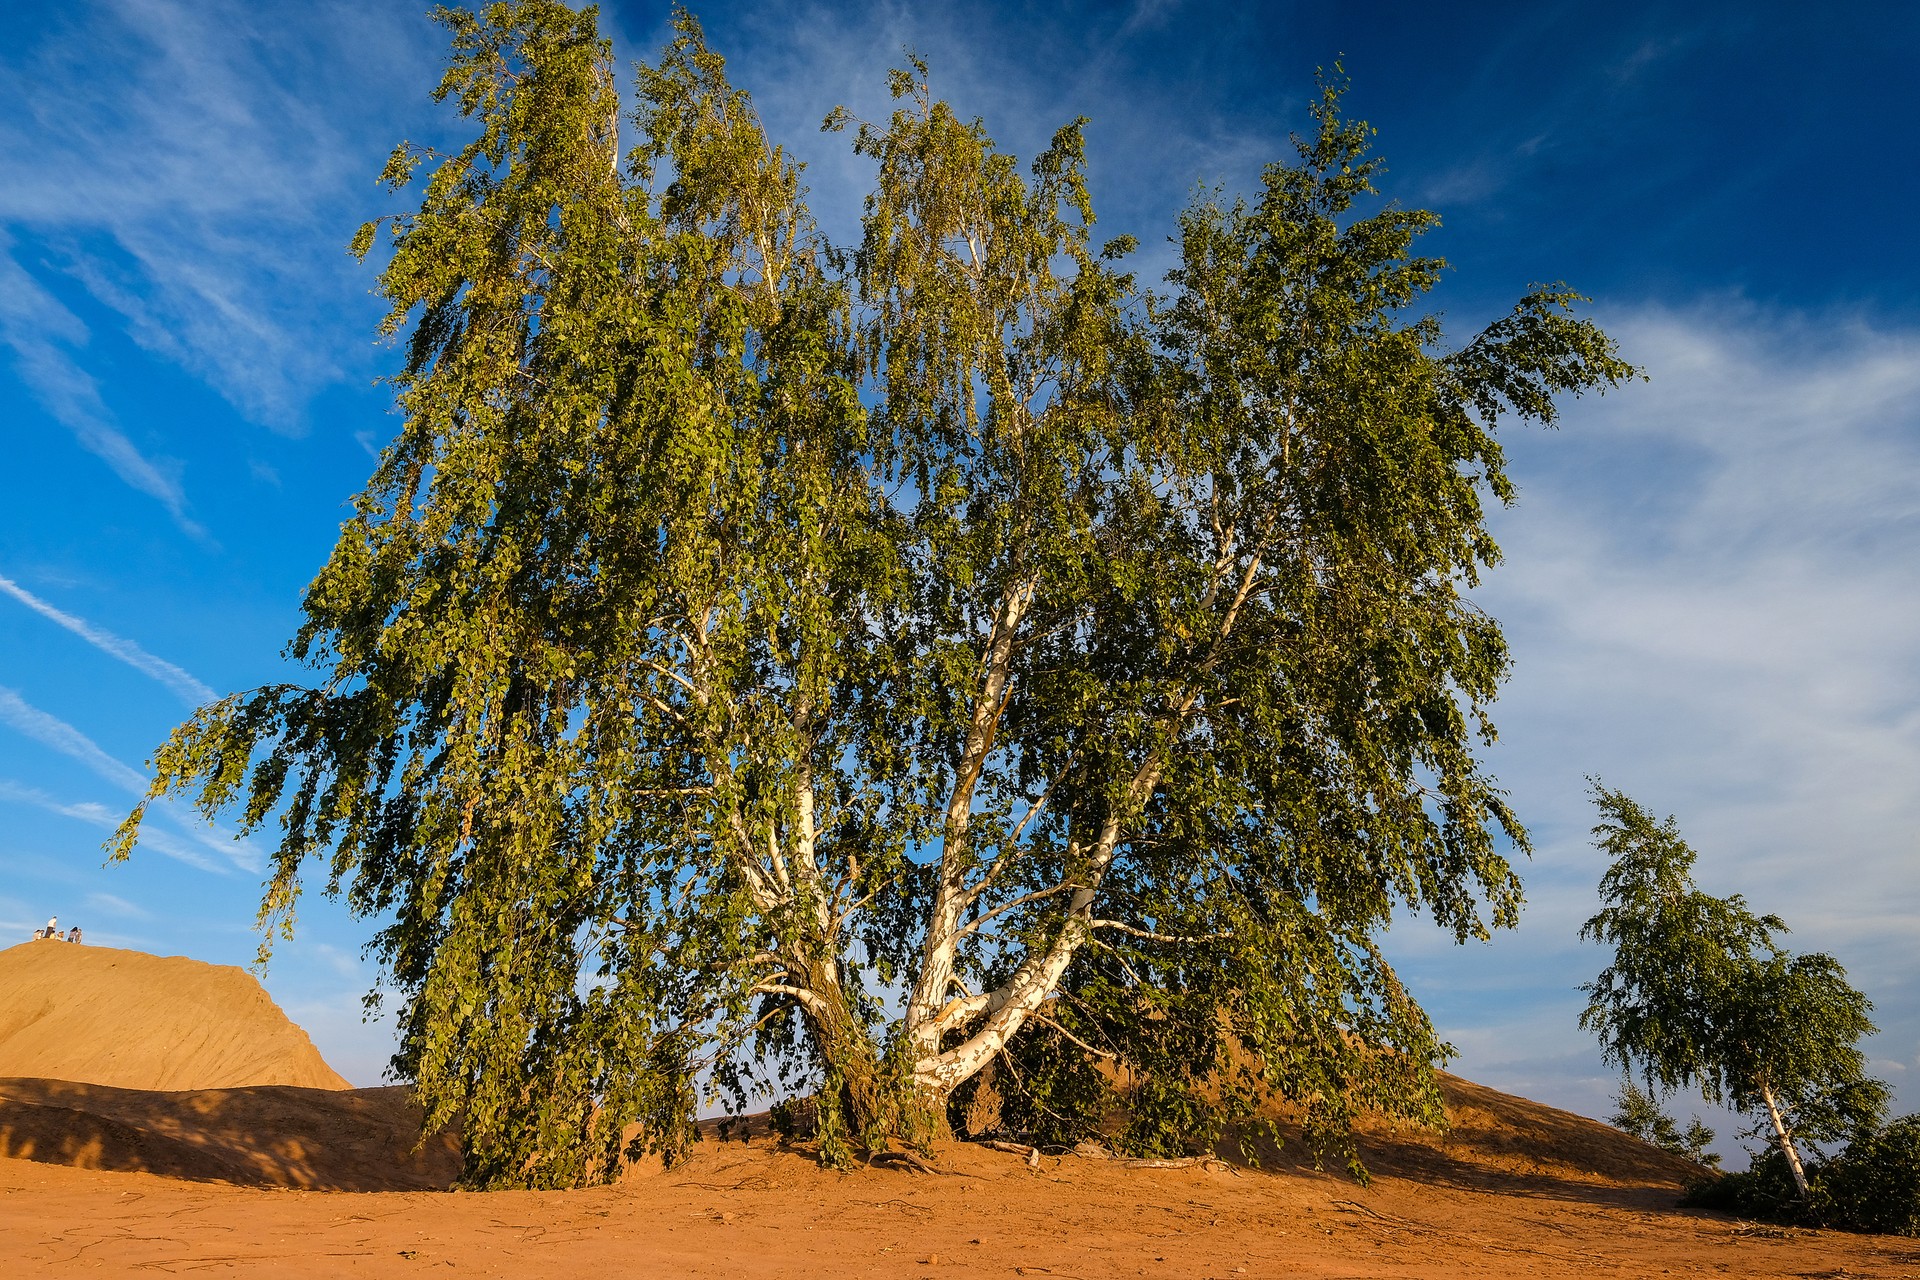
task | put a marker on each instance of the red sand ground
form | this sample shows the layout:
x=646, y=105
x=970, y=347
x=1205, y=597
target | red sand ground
x=1514, y=1189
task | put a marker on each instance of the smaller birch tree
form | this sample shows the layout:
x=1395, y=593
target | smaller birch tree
x=1699, y=994
x=1639, y=1113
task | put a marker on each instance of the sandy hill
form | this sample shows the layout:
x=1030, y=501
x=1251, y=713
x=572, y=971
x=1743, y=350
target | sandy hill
x=118, y=1060
x=125, y=1177
x=126, y=1019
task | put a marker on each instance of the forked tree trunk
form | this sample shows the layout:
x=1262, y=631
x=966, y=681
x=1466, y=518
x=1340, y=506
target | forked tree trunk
x=1785, y=1141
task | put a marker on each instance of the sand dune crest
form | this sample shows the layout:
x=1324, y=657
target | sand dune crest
x=97, y=1015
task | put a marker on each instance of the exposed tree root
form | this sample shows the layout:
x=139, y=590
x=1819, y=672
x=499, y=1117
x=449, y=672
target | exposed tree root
x=904, y=1159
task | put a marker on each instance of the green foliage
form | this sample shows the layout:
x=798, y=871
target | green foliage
x=740, y=631
x=1051, y=1090
x=1698, y=993
x=1874, y=1184
x=1765, y=1191
x=1638, y=1113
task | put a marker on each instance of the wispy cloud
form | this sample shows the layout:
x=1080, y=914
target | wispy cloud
x=114, y=905
x=197, y=168
x=178, y=849
x=40, y=332
x=87, y=811
x=1650, y=53
x=191, y=840
x=341, y=962
x=52, y=732
x=176, y=679
x=1509, y=149
x=99, y=816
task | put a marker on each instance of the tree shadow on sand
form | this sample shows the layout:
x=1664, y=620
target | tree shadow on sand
x=263, y=1136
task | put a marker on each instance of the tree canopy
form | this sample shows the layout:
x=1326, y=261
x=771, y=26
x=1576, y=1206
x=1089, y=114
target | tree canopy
x=1700, y=994
x=759, y=666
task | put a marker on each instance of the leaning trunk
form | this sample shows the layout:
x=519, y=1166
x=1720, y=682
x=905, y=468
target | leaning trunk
x=1785, y=1141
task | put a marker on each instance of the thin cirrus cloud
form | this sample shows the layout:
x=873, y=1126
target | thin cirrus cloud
x=194, y=691
x=99, y=816
x=42, y=335
x=52, y=732
x=87, y=811
x=188, y=167
x=189, y=839
x=114, y=905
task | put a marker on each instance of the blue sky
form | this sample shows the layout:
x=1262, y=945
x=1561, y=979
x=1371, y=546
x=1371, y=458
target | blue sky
x=1713, y=577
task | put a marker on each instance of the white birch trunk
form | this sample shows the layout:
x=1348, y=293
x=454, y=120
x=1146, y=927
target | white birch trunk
x=927, y=1003
x=1008, y=1008
x=1785, y=1141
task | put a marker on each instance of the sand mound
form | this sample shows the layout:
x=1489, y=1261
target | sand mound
x=755, y=1212
x=1495, y=1139
x=318, y=1139
x=135, y=1021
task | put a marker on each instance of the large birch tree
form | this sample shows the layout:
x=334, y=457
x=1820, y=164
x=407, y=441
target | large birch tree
x=758, y=667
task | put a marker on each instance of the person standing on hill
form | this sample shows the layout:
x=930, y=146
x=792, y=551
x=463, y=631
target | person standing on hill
x=52, y=930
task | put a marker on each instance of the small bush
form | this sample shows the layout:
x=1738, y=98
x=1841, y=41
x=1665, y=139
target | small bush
x=1765, y=1191
x=1874, y=1185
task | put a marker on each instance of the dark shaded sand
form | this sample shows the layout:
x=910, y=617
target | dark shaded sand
x=269, y=1136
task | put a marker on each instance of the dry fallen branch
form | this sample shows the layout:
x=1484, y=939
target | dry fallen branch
x=1030, y=1154
x=1181, y=1162
x=905, y=1159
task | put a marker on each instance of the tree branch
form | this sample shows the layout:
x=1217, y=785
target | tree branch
x=811, y=1002
x=973, y=926
x=1098, y=1053
x=1151, y=936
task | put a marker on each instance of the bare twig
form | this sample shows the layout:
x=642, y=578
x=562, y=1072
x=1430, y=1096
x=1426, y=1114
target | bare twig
x=1098, y=1053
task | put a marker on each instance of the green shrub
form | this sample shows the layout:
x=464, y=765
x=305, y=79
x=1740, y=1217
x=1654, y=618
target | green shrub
x=1874, y=1185
x=1765, y=1191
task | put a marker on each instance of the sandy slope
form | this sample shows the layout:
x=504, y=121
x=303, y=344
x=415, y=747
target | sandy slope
x=1512, y=1189
x=135, y=1021
x=267, y=1136
x=752, y=1211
